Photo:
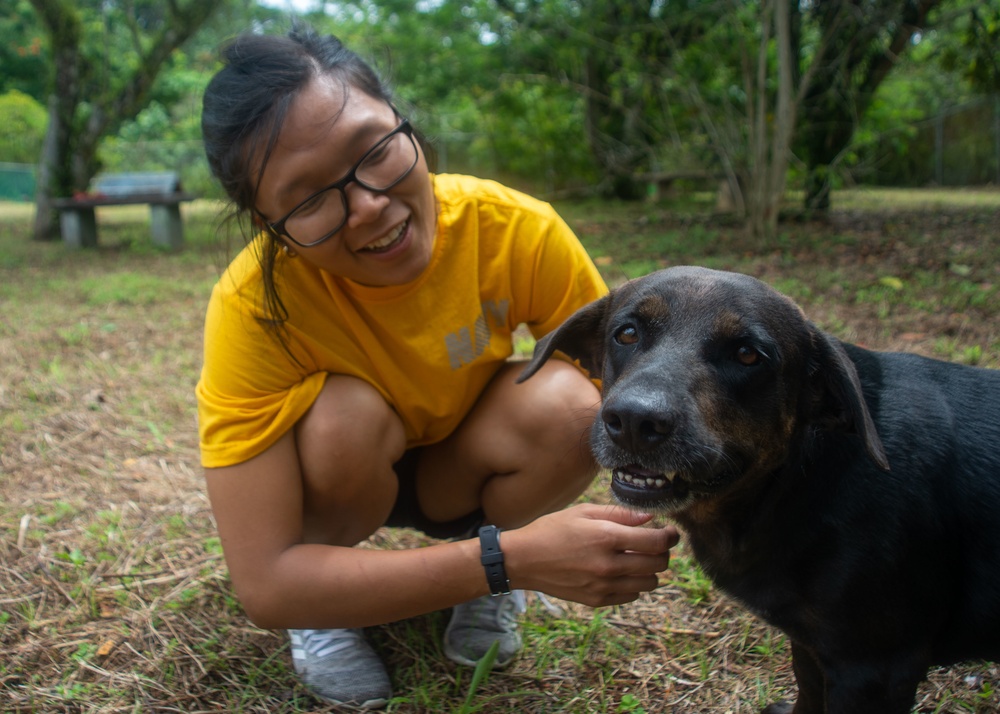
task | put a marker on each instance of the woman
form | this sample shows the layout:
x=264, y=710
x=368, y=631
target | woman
x=356, y=376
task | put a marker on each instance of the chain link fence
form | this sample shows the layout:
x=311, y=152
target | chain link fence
x=958, y=147
x=17, y=182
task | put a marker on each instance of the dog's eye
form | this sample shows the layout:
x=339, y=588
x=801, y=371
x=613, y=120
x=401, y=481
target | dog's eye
x=627, y=335
x=748, y=356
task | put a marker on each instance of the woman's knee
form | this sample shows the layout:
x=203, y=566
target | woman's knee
x=562, y=404
x=541, y=426
x=348, y=442
x=552, y=462
x=350, y=420
x=523, y=450
x=554, y=427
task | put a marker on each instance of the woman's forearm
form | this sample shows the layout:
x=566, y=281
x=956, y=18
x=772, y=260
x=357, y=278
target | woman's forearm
x=321, y=586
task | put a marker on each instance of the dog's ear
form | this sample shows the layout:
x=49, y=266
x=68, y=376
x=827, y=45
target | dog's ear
x=580, y=337
x=840, y=402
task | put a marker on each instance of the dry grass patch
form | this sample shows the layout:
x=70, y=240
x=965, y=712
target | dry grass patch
x=113, y=593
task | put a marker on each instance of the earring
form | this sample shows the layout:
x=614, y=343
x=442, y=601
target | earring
x=288, y=251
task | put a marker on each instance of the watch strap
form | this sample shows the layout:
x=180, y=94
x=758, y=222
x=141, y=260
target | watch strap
x=492, y=560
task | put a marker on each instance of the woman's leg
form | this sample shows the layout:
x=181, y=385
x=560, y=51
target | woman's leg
x=522, y=451
x=348, y=442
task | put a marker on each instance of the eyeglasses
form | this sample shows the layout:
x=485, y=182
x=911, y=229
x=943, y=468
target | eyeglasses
x=324, y=213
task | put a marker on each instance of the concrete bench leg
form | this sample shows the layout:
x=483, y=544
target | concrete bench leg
x=78, y=227
x=168, y=230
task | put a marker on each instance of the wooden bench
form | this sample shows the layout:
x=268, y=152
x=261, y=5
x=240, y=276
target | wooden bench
x=160, y=190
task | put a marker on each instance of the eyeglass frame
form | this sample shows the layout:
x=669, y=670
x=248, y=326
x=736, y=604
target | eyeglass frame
x=278, y=227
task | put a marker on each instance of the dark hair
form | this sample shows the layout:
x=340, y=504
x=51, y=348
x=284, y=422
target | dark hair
x=243, y=110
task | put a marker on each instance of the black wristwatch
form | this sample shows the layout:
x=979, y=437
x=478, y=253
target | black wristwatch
x=492, y=559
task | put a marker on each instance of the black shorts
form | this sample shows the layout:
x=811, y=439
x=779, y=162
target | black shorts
x=406, y=511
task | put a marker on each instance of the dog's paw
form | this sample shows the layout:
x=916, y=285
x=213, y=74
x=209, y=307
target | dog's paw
x=779, y=708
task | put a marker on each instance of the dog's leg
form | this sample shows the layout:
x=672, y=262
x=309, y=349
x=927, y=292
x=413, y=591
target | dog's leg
x=885, y=686
x=853, y=687
x=809, y=676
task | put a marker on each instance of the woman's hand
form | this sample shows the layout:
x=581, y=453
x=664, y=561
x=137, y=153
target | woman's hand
x=591, y=554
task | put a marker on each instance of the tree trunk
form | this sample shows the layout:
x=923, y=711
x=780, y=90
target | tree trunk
x=69, y=159
x=766, y=123
x=46, y=217
x=55, y=175
x=773, y=127
x=784, y=119
x=845, y=88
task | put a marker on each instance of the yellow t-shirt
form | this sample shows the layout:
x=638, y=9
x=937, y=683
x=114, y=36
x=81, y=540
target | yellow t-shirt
x=430, y=347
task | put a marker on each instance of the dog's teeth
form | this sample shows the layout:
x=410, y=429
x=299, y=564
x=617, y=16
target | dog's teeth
x=646, y=481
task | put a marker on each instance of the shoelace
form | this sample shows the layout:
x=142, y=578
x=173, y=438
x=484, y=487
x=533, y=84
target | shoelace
x=553, y=609
x=510, y=607
x=321, y=643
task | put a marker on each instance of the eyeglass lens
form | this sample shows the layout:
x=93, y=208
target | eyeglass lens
x=385, y=165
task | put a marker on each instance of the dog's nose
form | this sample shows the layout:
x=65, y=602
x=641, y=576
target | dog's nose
x=638, y=422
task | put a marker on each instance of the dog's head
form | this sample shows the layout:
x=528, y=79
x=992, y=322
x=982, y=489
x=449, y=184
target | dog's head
x=709, y=379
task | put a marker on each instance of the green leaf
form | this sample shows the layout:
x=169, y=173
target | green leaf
x=481, y=673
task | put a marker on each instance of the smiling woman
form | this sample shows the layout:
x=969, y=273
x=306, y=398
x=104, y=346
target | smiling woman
x=357, y=375
x=379, y=212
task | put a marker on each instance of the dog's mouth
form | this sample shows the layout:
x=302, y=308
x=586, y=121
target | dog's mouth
x=641, y=487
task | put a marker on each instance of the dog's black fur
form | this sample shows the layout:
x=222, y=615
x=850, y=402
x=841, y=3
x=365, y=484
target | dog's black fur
x=851, y=498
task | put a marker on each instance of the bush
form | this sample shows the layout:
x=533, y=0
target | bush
x=22, y=128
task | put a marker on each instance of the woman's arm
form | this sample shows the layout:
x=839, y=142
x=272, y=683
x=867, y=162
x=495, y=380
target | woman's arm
x=284, y=582
x=590, y=554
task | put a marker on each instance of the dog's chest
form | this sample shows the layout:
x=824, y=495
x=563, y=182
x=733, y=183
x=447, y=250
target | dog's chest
x=760, y=576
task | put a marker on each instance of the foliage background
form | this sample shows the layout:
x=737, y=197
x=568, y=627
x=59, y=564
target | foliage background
x=498, y=91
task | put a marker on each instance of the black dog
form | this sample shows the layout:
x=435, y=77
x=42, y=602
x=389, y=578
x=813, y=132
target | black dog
x=770, y=443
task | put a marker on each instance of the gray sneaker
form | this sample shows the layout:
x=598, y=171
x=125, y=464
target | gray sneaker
x=476, y=625
x=340, y=667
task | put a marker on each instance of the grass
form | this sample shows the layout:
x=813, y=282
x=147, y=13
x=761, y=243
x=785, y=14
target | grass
x=113, y=593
